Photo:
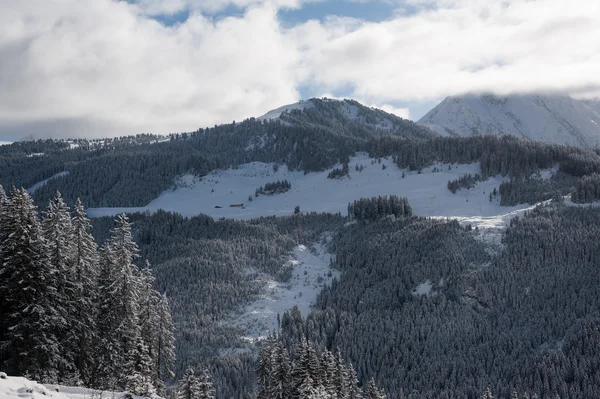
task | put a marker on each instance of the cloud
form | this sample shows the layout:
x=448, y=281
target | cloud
x=108, y=67
x=453, y=47
x=106, y=62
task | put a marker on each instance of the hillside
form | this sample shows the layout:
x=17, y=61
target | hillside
x=547, y=118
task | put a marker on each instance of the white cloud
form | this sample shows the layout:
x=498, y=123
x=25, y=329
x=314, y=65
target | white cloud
x=459, y=46
x=107, y=67
x=103, y=61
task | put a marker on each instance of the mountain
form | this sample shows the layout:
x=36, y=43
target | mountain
x=548, y=118
x=347, y=117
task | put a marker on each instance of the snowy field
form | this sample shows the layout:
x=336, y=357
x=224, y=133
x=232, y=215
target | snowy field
x=427, y=192
x=22, y=388
x=311, y=272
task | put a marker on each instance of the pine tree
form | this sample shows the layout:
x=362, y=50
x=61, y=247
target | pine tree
x=57, y=230
x=341, y=377
x=280, y=374
x=29, y=291
x=85, y=267
x=192, y=387
x=139, y=370
x=372, y=392
x=119, y=308
x=148, y=304
x=205, y=386
x=188, y=386
x=487, y=394
x=165, y=346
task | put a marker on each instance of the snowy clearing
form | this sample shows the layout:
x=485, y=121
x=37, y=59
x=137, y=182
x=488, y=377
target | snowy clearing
x=42, y=183
x=427, y=192
x=22, y=388
x=311, y=271
x=423, y=289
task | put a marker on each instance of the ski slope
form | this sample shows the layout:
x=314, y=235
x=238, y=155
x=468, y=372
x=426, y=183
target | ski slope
x=314, y=192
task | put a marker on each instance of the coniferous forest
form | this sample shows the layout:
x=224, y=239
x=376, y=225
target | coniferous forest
x=419, y=307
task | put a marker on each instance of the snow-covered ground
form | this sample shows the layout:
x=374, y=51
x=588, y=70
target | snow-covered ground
x=22, y=388
x=276, y=113
x=550, y=118
x=427, y=191
x=42, y=183
x=311, y=270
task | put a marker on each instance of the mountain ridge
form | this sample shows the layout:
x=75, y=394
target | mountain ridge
x=556, y=119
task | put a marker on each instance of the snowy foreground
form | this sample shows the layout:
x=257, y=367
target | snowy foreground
x=22, y=388
x=427, y=192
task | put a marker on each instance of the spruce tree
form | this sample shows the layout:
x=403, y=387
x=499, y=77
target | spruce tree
x=29, y=291
x=165, y=346
x=57, y=230
x=372, y=392
x=119, y=312
x=205, y=386
x=85, y=267
x=189, y=386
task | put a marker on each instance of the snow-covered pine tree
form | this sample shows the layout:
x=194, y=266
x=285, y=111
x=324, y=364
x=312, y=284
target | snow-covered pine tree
x=118, y=318
x=138, y=377
x=4, y=310
x=205, y=386
x=165, y=347
x=487, y=394
x=193, y=387
x=352, y=389
x=85, y=270
x=372, y=392
x=29, y=292
x=57, y=230
x=264, y=369
x=279, y=381
x=149, y=323
x=108, y=355
x=305, y=385
x=340, y=381
x=188, y=386
x=328, y=372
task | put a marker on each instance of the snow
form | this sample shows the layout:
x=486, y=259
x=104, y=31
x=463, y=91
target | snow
x=276, y=113
x=22, y=388
x=5, y=142
x=42, y=183
x=427, y=192
x=311, y=271
x=423, y=289
x=547, y=118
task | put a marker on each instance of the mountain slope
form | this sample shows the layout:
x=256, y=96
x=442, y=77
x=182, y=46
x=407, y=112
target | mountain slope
x=547, y=118
x=347, y=117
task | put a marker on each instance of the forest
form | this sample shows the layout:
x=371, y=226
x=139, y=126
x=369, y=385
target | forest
x=423, y=308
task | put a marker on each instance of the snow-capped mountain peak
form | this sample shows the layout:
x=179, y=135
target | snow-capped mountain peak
x=549, y=118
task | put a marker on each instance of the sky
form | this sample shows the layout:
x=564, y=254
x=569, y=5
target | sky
x=92, y=68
